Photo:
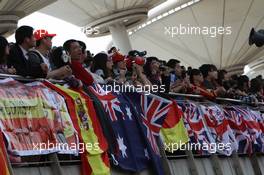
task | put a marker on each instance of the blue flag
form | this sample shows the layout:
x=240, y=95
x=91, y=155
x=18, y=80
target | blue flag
x=151, y=112
x=134, y=153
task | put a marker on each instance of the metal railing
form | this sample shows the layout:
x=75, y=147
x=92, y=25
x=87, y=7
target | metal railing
x=55, y=162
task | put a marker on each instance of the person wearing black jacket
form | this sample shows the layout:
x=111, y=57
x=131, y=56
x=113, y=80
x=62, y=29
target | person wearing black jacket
x=18, y=57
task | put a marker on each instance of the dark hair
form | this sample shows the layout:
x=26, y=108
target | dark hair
x=256, y=85
x=67, y=44
x=56, y=59
x=213, y=67
x=206, y=68
x=147, y=69
x=183, y=74
x=89, y=60
x=259, y=77
x=3, y=44
x=241, y=82
x=89, y=54
x=111, y=50
x=99, y=62
x=150, y=59
x=234, y=77
x=22, y=33
x=83, y=45
x=172, y=63
x=163, y=62
x=194, y=72
x=189, y=70
x=221, y=76
x=230, y=84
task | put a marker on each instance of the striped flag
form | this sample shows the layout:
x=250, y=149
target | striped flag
x=3, y=157
x=219, y=128
x=173, y=129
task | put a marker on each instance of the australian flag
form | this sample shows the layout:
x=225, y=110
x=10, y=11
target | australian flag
x=136, y=144
x=152, y=111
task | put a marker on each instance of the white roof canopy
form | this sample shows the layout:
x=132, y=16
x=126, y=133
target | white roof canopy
x=194, y=50
x=100, y=13
x=12, y=10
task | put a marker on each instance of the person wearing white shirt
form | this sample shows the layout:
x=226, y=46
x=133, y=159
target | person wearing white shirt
x=41, y=52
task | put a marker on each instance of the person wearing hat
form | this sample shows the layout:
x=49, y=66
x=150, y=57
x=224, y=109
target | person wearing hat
x=40, y=55
x=120, y=69
x=138, y=77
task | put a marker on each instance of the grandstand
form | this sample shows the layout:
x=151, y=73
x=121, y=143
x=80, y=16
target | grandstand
x=135, y=132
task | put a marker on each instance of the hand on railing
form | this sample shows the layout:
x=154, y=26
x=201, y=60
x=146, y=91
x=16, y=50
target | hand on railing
x=220, y=91
x=11, y=70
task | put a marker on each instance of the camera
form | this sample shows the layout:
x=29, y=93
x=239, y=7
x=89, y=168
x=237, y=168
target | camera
x=256, y=38
x=135, y=56
x=135, y=53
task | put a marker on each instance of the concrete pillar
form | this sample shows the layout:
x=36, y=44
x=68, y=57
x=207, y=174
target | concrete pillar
x=8, y=24
x=120, y=37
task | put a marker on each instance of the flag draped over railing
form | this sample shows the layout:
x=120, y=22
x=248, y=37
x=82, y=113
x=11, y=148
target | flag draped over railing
x=3, y=157
x=133, y=153
x=34, y=119
x=123, y=127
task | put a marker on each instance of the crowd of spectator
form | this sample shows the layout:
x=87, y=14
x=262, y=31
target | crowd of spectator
x=33, y=55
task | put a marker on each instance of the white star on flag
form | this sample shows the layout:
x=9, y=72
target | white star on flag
x=122, y=146
x=128, y=112
x=146, y=153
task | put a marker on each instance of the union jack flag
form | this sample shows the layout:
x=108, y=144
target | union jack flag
x=252, y=120
x=154, y=112
x=237, y=124
x=219, y=128
x=195, y=124
x=112, y=107
x=110, y=102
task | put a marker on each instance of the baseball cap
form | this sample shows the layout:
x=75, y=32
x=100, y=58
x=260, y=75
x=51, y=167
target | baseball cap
x=139, y=60
x=116, y=57
x=41, y=33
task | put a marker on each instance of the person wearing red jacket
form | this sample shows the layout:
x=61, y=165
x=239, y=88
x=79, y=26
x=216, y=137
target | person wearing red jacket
x=75, y=51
